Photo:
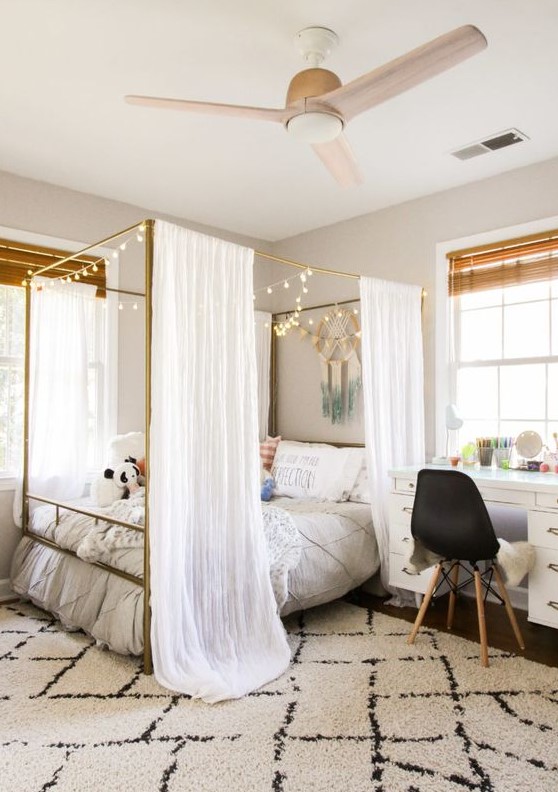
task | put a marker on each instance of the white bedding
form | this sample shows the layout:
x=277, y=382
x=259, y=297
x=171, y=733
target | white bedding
x=318, y=552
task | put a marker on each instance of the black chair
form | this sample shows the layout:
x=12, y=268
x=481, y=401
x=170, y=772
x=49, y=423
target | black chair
x=450, y=519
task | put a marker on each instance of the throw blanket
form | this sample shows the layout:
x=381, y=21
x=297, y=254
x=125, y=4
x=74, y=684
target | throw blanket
x=515, y=559
x=104, y=537
x=282, y=539
x=283, y=549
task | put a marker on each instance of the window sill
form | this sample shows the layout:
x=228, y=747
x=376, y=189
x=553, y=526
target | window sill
x=7, y=483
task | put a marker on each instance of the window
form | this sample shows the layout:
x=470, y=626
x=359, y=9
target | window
x=12, y=311
x=16, y=259
x=504, y=301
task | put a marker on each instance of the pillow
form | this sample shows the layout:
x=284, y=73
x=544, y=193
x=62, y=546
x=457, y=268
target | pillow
x=125, y=445
x=360, y=492
x=324, y=473
x=267, y=450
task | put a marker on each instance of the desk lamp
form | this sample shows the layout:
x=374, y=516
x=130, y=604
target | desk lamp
x=453, y=422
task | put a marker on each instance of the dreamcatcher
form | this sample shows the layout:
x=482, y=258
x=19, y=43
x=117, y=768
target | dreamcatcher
x=336, y=342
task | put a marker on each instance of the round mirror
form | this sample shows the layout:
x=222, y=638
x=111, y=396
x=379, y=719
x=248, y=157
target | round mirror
x=528, y=444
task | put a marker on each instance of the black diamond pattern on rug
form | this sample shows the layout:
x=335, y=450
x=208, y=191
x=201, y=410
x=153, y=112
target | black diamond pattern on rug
x=357, y=710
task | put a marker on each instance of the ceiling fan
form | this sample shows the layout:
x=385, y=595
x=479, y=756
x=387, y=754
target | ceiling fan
x=318, y=106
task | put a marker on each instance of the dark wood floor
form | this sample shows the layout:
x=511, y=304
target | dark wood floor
x=541, y=643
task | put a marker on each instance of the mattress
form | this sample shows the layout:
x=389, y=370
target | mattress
x=332, y=551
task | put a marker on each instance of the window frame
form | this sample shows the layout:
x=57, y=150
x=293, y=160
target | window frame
x=444, y=370
x=8, y=480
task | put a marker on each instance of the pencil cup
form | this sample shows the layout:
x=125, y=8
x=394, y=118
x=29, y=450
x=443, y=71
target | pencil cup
x=502, y=456
x=485, y=457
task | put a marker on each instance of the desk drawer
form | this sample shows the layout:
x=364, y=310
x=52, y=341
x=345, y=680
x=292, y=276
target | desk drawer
x=500, y=495
x=547, y=499
x=405, y=485
x=400, y=509
x=401, y=579
x=543, y=529
x=543, y=588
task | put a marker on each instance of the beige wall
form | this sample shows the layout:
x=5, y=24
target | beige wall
x=399, y=244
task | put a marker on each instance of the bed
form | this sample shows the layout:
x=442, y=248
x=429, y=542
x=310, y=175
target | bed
x=320, y=542
x=88, y=570
x=328, y=550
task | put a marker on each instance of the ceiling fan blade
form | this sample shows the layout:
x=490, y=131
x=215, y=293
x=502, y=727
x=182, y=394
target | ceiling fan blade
x=211, y=108
x=406, y=71
x=340, y=161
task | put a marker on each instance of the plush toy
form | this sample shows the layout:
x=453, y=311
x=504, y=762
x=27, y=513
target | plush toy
x=267, y=489
x=126, y=476
x=267, y=483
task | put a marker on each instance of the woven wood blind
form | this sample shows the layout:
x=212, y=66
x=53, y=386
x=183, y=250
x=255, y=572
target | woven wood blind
x=17, y=259
x=508, y=263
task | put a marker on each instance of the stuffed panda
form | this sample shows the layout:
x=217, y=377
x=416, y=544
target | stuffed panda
x=126, y=476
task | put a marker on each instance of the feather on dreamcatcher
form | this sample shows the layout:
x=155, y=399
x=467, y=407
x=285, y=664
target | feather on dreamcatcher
x=336, y=341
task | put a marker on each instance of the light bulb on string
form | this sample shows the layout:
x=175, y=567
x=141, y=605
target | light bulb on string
x=269, y=290
x=115, y=254
x=286, y=284
x=95, y=268
x=123, y=246
x=135, y=306
x=120, y=307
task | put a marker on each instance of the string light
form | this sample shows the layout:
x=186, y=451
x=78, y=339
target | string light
x=88, y=268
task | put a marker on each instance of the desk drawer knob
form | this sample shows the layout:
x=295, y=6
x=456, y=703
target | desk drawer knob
x=554, y=567
x=408, y=509
x=411, y=485
x=553, y=604
x=552, y=531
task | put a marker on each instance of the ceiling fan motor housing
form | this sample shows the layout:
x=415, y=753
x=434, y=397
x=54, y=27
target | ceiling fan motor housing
x=311, y=83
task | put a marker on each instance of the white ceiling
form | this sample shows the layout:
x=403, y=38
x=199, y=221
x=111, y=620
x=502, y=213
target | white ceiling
x=66, y=65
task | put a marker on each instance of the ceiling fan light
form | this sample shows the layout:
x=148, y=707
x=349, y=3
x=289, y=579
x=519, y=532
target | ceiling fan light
x=315, y=127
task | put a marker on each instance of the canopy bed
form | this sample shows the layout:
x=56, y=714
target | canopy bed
x=216, y=566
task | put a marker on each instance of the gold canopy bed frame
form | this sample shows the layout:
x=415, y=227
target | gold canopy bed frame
x=148, y=229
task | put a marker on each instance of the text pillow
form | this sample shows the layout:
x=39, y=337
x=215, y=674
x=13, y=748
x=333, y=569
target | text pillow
x=320, y=472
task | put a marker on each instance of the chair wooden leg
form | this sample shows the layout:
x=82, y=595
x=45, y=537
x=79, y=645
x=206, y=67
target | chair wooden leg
x=509, y=609
x=454, y=577
x=425, y=603
x=482, y=621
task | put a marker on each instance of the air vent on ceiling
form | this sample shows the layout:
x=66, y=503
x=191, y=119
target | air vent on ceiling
x=502, y=140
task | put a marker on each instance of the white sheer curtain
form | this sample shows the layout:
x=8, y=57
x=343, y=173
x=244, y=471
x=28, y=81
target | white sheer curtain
x=215, y=630
x=263, y=358
x=393, y=387
x=58, y=400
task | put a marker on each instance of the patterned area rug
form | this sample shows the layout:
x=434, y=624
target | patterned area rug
x=358, y=710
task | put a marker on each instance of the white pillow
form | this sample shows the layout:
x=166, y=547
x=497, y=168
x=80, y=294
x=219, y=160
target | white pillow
x=125, y=445
x=305, y=470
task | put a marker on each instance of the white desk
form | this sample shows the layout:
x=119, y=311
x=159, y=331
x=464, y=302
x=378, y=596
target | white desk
x=535, y=492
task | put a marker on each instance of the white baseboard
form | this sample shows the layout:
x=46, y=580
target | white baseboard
x=5, y=590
